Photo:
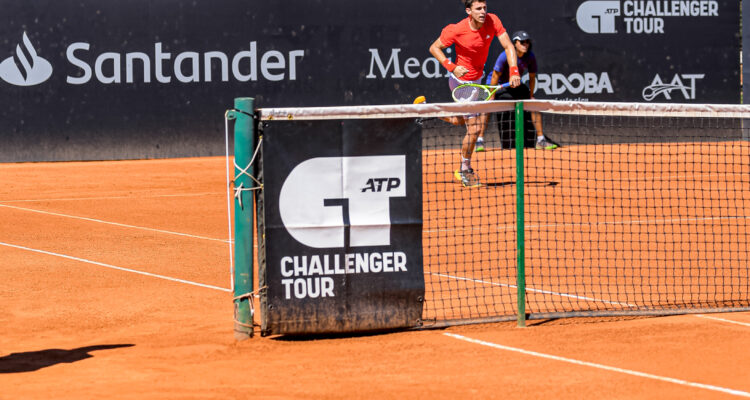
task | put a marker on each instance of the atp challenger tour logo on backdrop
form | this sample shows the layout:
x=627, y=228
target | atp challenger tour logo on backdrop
x=151, y=65
x=639, y=16
x=335, y=203
x=343, y=224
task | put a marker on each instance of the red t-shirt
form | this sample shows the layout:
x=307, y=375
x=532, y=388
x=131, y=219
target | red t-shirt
x=472, y=46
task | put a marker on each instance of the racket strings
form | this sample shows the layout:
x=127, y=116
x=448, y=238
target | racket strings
x=471, y=93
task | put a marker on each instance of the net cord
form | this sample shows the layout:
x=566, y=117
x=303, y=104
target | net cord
x=639, y=109
x=437, y=110
x=424, y=110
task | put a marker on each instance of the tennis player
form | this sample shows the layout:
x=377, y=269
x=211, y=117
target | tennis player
x=472, y=38
x=526, y=62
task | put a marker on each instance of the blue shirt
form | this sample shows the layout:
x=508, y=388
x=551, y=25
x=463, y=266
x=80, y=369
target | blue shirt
x=525, y=63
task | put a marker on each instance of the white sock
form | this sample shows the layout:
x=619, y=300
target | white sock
x=539, y=138
x=465, y=164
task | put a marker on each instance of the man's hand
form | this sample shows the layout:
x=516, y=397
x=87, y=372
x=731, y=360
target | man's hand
x=460, y=71
x=515, y=81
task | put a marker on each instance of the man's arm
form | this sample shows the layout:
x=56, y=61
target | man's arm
x=532, y=83
x=495, y=78
x=494, y=81
x=436, y=49
x=510, y=52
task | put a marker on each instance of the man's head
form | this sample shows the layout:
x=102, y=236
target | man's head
x=522, y=42
x=477, y=10
x=469, y=3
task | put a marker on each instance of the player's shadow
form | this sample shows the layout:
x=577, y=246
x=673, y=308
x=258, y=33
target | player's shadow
x=35, y=360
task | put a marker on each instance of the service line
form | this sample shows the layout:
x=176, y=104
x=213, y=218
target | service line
x=729, y=321
x=112, y=197
x=168, y=278
x=112, y=223
x=602, y=367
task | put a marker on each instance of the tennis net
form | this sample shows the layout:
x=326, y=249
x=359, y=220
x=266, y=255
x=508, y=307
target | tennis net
x=643, y=209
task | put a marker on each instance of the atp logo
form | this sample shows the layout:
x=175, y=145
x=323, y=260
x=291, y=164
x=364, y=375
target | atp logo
x=597, y=16
x=25, y=68
x=336, y=202
x=658, y=87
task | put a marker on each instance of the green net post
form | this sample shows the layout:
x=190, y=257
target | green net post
x=521, y=266
x=244, y=144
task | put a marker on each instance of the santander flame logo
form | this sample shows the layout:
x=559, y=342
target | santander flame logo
x=26, y=68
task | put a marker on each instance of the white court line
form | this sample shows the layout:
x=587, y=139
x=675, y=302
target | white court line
x=603, y=367
x=723, y=320
x=110, y=197
x=113, y=223
x=115, y=267
x=530, y=289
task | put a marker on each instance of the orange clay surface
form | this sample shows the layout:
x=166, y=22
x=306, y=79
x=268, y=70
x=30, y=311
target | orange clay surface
x=114, y=284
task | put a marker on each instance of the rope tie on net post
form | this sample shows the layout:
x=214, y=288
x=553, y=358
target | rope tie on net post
x=249, y=296
x=230, y=115
x=243, y=171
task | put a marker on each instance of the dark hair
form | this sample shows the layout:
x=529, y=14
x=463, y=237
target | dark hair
x=468, y=3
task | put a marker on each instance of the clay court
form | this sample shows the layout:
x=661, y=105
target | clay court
x=116, y=284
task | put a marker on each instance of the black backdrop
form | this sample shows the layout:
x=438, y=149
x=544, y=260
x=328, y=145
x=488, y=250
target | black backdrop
x=315, y=53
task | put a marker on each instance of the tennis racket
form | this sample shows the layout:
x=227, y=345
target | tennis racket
x=475, y=92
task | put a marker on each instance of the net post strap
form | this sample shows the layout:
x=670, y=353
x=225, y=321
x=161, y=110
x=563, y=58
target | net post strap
x=249, y=297
x=243, y=171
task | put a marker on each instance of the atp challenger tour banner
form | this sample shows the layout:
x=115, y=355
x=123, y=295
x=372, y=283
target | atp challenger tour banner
x=88, y=79
x=343, y=226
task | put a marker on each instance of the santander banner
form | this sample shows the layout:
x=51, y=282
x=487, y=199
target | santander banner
x=113, y=84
